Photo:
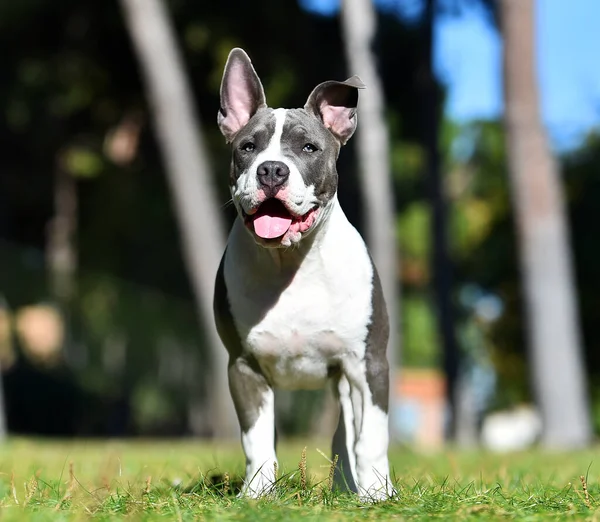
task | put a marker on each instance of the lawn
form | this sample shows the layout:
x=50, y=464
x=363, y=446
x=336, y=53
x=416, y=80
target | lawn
x=187, y=480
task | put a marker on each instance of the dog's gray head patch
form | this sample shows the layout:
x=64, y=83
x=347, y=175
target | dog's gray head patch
x=283, y=170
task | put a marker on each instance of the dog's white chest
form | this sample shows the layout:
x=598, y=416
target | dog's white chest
x=301, y=328
x=308, y=332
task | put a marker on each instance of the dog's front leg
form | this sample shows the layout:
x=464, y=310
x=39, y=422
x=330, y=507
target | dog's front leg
x=255, y=406
x=371, y=432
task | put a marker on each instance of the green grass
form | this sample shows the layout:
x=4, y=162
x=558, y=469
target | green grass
x=174, y=480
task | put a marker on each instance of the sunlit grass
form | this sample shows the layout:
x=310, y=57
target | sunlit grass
x=187, y=480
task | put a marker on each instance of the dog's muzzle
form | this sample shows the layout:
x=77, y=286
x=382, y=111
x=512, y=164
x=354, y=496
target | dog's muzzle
x=272, y=220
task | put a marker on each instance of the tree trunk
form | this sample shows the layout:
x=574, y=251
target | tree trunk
x=559, y=380
x=189, y=175
x=61, y=251
x=359, y=27
x=6, y=339
x=61, y=257
x=441, y=265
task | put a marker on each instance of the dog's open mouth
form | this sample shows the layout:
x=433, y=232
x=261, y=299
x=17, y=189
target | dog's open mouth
x=272, y=220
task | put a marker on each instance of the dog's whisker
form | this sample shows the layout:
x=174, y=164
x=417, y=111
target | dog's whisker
x=227, y=204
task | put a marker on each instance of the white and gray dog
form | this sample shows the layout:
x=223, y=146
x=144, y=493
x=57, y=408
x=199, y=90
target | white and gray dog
x=298, y=301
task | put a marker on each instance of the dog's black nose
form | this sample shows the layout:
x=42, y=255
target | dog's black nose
x=272, y=174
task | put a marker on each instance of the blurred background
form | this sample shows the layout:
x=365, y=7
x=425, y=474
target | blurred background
x=473, y=176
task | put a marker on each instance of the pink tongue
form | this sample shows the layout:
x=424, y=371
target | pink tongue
x=269, y=227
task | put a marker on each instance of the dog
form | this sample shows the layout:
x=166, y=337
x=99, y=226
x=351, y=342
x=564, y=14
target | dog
x=298, y=302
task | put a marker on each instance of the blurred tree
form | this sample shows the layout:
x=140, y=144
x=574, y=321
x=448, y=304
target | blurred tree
x=373, y=150
x=190, y=179
x=440, y=258
x=483, y=245
x=61, y=250
x=553, y=333
x=6, y=354
x=581, y=172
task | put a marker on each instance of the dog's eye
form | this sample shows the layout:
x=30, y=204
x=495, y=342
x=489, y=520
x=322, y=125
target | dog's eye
x=248, y=146
x=309, y=147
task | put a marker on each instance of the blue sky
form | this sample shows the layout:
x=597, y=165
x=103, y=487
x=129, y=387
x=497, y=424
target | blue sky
x=468, y=61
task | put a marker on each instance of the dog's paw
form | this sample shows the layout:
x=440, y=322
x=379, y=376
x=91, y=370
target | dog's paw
x=260, y=486
x=379, y=492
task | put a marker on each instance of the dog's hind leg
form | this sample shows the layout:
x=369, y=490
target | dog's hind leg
x=344, y=439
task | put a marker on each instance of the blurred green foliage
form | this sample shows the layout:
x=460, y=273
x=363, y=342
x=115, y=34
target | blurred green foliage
x=70, y=81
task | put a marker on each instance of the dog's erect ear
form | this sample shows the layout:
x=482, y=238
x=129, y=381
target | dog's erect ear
x=242, y=94
x=335, y=103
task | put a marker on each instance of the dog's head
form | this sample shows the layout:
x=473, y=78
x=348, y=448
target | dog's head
x=283, y=173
